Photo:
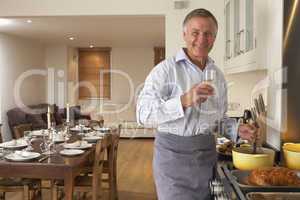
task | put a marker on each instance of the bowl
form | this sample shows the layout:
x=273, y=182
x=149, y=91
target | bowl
x=291, y=153
x=244, y=159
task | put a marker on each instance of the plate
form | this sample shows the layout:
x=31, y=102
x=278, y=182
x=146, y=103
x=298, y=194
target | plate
x=38, y=133
x=58, y=140
x=222, y=140
x=92, y=138
x=14, y=144
x=22, y=156
x=77, y=128
x=77, y=145
x=102, y=129
x=71, y=152
x=95, y=133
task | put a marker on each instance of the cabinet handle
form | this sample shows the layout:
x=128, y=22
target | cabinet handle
x=241, y=51
x=237, y=43
x=228, y=45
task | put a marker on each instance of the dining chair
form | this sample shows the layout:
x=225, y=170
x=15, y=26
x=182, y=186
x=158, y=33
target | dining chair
x=89, y=183
x=28, y=187
x=20, y=129
x=1, y=133
x=95, y=123
x=109, y=173
x=110, y=165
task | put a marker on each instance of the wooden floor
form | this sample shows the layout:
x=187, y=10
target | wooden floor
x=135, y=180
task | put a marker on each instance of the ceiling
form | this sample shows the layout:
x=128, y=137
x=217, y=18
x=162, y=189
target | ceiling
x=111, y=31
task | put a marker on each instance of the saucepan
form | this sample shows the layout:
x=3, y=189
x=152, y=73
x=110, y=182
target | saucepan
x=244, y=159
x=291, y=152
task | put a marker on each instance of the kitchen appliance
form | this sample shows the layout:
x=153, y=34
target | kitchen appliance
x=244, y=159
x=217, y=190
x=240, y=190
x=291, y=152
x=284, y=72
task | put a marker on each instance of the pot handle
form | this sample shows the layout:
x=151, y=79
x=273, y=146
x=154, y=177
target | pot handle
x=288, y=143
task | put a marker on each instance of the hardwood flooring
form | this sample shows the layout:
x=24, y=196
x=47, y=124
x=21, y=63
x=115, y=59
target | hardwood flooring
x=135, y=180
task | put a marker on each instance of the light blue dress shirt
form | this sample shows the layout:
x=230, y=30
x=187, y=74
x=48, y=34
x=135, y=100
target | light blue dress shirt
x=159, y=102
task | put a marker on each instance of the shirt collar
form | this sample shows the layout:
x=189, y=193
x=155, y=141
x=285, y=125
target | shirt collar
x=181, y=56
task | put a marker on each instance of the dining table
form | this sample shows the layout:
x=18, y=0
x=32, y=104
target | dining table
x=50, y=167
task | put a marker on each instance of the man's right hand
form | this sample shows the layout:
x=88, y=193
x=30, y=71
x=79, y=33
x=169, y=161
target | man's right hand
x=196, y=95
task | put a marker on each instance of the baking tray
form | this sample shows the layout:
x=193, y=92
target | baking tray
x=240, y=178
x=273, y=196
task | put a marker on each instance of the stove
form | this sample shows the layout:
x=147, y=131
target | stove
x=235, y=190
x=217, y=190
x=222, y=186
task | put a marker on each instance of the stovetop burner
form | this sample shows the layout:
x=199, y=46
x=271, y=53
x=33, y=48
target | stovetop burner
x=217, y=190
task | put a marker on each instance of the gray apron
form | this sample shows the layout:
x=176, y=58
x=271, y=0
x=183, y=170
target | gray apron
x=183, y=166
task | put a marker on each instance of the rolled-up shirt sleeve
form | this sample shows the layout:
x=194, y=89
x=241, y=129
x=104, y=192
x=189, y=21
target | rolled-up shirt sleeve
x=155, y=105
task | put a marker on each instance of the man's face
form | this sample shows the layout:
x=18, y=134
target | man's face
x=199, y=35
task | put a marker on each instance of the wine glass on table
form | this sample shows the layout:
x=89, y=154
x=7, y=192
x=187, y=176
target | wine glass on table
x=28, y=139
x=48, y=143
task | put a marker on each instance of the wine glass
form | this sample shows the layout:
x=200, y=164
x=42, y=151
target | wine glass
x=82, y=126
x=28, y=138
x=47, y=144
x=209, y=76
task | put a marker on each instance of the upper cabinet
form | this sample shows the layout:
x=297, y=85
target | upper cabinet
x=243, y=40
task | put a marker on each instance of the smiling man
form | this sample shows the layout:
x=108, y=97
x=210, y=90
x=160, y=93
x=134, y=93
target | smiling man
x=185, y=108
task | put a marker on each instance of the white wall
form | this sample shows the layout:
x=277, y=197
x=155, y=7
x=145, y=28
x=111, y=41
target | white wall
x=17, y=56
x=277, y=97
x=240, y=89
x=73, y=93
x=130, y=67
x=57, y=64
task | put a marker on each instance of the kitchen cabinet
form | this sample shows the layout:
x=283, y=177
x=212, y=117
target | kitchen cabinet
x=244, y=36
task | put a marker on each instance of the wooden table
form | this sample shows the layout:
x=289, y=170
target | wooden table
x=56, y=167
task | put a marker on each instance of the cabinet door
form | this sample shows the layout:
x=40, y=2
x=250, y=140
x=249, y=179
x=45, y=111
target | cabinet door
x=244, y=28
x=229, y=23
x=242, y=23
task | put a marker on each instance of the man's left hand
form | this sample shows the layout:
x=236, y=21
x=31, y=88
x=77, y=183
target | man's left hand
x=248, y=132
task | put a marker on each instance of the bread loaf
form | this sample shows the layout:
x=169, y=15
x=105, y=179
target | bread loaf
x=274, y=176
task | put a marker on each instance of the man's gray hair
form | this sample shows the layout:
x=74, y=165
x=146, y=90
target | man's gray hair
x=200, y=12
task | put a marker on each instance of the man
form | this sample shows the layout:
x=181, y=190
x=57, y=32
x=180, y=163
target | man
x=185, y=110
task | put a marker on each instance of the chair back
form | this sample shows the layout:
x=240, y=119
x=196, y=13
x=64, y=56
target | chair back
x=113, y=151
x=20, y=129
x=101, y=147
x=115, y=143
x=1, y=133
x=95, y=123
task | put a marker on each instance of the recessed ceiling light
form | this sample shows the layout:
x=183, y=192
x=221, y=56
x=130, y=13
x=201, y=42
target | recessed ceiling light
x=71, y=38
x=91, y=46
x=29, y=21
x=4, y=21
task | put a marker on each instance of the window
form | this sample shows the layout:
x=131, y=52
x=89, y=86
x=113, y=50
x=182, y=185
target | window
x=159, y=54
x=91, y=63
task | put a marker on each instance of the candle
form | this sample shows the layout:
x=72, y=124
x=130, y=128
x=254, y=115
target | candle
x=68, y=113
x=49, y=118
